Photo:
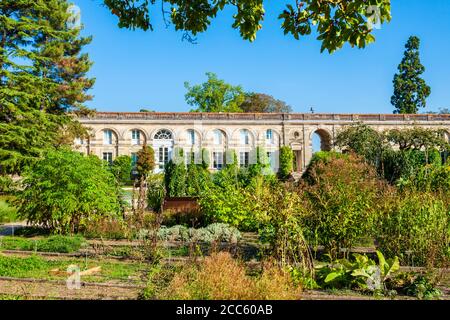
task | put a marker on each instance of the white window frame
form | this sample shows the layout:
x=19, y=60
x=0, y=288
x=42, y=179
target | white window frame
x=218, y=137
x=244, y=159
x=269, y=136
x=135, y=137
x=108, y=156
x=107, y=137
x=244, y=137
x=218, y=160
x=191, y=137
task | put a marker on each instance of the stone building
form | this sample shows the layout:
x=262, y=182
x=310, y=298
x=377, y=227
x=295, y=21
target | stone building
x=124, y=133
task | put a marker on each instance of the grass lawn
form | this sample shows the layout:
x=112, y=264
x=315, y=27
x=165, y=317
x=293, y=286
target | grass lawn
x=39, y=268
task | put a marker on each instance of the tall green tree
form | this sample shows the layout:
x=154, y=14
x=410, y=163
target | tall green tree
x=214, y=95
x=336, y=22
x=261, y=102
x=43, y=79
x=410, y=90
x=145, y=165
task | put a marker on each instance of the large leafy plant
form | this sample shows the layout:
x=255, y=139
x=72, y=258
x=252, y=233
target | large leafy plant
x=359, y=273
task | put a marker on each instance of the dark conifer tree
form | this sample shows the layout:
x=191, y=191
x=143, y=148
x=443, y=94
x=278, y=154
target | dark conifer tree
x=410, y=90
x=43, y=80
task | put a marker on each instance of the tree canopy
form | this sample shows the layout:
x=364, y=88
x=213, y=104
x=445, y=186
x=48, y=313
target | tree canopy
x=410, y=90
x=65, y=189
x=214, y=95
x=42, y=79
x=261, y=102
x=335, y=21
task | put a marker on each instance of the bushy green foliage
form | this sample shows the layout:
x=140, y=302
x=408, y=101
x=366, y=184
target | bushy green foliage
x=43, y=79
x=286, y=162
x=279, y=213
x=432, y=177
x=351, y=24
x=56, y=243
x=64, y=189
x=6, y=184
x=363, y=140
x=198, y=180
x=145, y=161
x=423, y=288
x=121, y=169
x=175, y=175
x=414, y=226
x=397, y=154
x=14, y=267
x=320, y=157
x=361, y=272
x=155, y=192
x=8, y=213
x=230, y=205
x=342, y=197
x=214, y=95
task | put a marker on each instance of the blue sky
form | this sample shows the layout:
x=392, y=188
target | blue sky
x=137, y=69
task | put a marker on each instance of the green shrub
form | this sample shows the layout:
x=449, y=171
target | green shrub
x=230, y=205
x=58, y=243
x=175, y=175
x=64, y=189
x=198, y=180
x=281, y=227
x=155, y=192
x=342, y=197
x=320, y=157
x=6, y=184
x=286, y=162
x=121, y=169
x=414, y=226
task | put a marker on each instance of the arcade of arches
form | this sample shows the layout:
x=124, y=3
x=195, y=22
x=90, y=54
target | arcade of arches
x=114, y=134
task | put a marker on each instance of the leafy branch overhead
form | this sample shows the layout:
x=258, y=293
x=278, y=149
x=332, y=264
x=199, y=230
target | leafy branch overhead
x=336, y=21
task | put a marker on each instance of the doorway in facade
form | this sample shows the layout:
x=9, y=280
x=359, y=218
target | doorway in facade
x=163, y=145
x=298, y=161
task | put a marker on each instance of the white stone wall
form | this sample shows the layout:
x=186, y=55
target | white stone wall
x=295, y=130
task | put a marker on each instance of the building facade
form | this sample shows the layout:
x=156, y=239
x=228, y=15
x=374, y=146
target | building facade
x=124, y=133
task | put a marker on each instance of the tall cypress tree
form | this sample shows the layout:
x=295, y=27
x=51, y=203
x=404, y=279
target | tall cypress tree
x=43, y=80
x=410, y=90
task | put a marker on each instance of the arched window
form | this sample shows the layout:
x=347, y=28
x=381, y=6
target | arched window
x=163, y=134
x=244, y=137
x=269, y=136
x=136, y=137
x=218, y=137
x=191, y=136
x=107, y=136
